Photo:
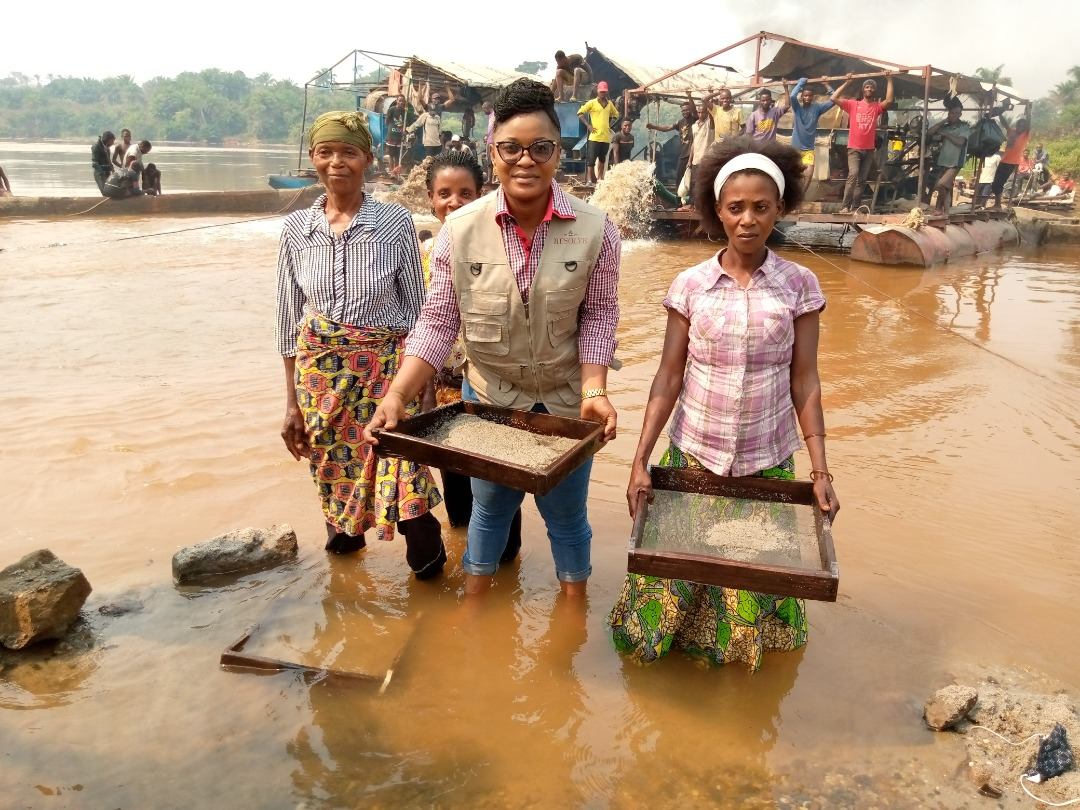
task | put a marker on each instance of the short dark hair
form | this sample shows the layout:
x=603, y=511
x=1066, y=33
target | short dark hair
x=785, y=157
x=953, y=102
x=524, y=96
x=456, y=159
x=107, y=135
x=424, y=235
x=560, y=54
x=764, y=91
x=144, y=145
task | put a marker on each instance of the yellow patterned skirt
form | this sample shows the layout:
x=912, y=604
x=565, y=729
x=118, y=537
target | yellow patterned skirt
x=720, y=625
x=342, y=373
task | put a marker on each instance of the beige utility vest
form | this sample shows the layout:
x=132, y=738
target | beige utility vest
x=518, y=354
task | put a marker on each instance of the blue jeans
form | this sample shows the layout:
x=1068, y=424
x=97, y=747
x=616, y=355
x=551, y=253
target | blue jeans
x=564, y=510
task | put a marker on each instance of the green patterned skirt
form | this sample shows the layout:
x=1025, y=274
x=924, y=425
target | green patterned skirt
x=717, y=624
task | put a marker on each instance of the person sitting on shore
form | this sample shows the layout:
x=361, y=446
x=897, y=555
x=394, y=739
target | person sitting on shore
x=5, y=184
x=122, y=183
x=99, y=159
x=739, y=371
x=120, y=150
x=151, y=180
x=570, y=71
x=133, y=158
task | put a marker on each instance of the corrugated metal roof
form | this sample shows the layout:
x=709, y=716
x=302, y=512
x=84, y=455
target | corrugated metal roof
x=477, y=76
x=698, y=78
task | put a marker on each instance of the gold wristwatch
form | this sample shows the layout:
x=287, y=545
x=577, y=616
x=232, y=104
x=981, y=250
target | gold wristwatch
x=589, y=393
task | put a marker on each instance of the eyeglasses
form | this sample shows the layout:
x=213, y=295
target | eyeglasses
x=539, y=151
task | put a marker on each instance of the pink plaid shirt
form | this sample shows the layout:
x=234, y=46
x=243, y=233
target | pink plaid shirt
x=440, y=319
x=735, y=413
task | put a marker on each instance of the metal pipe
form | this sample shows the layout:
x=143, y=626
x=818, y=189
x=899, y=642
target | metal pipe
x=303, y=126
x=922, y=135
x=695, y=63
x=757, y=60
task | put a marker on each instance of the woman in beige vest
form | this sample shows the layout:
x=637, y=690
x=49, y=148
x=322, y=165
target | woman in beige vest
x=530, y=276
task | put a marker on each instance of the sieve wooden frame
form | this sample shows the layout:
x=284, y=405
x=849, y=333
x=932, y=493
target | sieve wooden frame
x=406, y=441
x=820, y=583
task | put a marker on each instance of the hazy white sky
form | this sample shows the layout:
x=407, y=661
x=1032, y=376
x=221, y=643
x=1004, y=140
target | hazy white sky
x=1036, y=41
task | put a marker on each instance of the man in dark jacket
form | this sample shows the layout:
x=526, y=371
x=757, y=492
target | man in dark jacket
x=99, y=159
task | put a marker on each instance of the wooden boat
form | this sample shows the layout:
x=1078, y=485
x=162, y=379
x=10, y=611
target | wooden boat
x=301, y=178
x=198, y=202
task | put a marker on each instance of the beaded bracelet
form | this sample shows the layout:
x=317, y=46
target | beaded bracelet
x=816, y=474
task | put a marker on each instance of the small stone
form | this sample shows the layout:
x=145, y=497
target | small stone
x=986, y=789
x=121, y=606
x=948, y=706
x=237, y=552
x=40, y=598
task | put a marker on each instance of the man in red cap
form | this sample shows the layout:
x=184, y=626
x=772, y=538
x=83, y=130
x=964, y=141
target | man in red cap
x=601, y=115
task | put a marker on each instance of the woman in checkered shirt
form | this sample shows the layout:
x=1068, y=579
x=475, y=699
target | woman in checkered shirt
x=739, y=369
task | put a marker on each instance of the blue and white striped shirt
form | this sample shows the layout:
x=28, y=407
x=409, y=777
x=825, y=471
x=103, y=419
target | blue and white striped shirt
x=368, y=276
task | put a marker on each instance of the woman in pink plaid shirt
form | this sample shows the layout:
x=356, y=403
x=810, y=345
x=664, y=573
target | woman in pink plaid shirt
x=739, y=368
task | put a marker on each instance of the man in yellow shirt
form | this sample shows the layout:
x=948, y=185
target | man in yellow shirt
x=601, y=115
x=727, y=118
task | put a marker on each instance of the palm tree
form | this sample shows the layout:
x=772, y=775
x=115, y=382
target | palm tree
x=993, y=75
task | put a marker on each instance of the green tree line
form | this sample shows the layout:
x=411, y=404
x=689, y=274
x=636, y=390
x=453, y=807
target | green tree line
x=210, y=106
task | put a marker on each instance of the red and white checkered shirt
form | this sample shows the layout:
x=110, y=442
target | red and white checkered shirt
x=440, y=319
x=735, y=413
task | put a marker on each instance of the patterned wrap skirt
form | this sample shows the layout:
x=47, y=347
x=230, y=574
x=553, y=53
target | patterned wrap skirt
x=342, y=373
x=719, y=625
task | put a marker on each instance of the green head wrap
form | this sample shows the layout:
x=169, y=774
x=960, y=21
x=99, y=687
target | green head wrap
x=346, y=127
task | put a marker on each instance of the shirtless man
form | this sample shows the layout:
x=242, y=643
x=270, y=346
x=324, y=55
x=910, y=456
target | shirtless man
x=570, y=70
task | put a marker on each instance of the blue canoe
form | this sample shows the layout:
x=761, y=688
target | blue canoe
x=297, y=179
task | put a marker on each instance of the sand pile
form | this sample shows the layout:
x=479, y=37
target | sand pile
x=413, y=192
x=749, y=537
x=501, y=442
x=626, y=193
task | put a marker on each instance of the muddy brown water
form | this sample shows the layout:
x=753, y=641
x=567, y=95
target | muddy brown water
x=142, y=400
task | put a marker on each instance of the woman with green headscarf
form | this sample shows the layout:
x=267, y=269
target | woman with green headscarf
x=349, y=288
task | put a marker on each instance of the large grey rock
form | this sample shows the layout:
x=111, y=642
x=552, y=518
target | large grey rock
x=40, y=596
x=948, y=706
x=237, y=552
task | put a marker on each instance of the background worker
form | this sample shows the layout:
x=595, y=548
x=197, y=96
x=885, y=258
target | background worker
x=727, y=118
x=1016, y=141
x=431, y=121
x=761, y=125
x=805, y=116
x=601, y=115
x=99, y=158
x=685, y=127
x=863, y=114
x=572, y=71
x=623, y=143
x=953, y=134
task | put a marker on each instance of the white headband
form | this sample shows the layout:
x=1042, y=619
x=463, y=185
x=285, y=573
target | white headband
x=748, y=160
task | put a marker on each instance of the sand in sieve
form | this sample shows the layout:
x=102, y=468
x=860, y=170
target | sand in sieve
x=501, y=442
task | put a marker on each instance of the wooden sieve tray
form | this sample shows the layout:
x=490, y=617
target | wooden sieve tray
x=407, y=441
x=820, y=582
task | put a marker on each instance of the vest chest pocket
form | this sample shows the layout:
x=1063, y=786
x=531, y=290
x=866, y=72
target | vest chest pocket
x=484, y=316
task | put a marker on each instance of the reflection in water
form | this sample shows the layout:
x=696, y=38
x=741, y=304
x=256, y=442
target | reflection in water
x=956, y=547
